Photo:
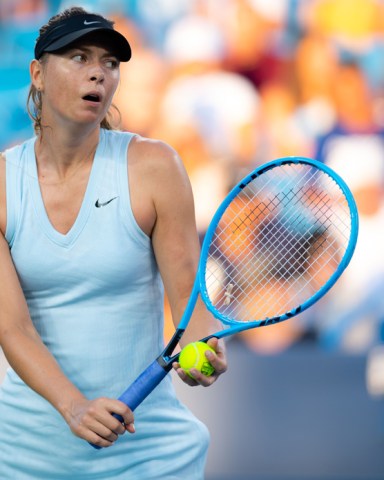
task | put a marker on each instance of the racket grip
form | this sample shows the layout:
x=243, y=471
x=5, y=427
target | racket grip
x=143, y=385
x=141, y=388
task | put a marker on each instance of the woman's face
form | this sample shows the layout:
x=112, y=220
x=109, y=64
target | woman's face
x=77, y=85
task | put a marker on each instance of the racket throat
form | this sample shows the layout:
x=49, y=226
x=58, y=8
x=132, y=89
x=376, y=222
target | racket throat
x=165, y=358
x=164, y=363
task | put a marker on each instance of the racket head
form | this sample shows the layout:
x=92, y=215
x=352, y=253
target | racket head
x=277, y=244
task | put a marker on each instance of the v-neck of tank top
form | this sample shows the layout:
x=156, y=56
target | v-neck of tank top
x=88, y=201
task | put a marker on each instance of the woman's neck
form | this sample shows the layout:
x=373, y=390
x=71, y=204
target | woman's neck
x=59, y=155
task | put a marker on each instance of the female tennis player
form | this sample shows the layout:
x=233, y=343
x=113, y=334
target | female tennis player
x=94, y=222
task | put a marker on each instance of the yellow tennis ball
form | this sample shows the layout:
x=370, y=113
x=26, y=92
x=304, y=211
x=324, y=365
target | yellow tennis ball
x=193, y=356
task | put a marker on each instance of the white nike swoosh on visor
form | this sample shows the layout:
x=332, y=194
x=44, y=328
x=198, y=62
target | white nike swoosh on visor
x=90, y=23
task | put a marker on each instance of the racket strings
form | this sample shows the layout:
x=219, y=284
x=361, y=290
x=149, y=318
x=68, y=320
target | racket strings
x=277, y=243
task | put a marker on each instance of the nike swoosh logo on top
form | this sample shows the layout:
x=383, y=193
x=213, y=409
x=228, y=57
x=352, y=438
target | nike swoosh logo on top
x=99, y=204
x=90, y=23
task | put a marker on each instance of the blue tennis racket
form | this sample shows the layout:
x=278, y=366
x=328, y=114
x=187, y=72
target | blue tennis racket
x=277, y=243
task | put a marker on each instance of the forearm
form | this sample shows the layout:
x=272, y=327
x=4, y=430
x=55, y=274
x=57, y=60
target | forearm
x=36, y=366
x=202, y=323
x=88, y=419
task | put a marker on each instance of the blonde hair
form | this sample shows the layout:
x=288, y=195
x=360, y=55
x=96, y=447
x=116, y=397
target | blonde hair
x=112, y=119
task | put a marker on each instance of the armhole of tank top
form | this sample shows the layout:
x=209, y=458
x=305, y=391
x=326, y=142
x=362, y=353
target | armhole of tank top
x=128, y=217
x=12, y=174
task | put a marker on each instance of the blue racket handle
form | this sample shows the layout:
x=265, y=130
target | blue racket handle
x=143, y=385
x=141, y=388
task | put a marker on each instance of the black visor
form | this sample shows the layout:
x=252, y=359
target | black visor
x=69, y=30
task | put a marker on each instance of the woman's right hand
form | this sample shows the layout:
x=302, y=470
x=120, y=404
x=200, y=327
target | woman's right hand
x=93, y=421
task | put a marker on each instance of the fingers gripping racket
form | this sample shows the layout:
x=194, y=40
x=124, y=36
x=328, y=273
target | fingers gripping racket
x=277, y=243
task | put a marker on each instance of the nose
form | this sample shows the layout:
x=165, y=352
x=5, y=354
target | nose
x=96, y=74
x=97, y=78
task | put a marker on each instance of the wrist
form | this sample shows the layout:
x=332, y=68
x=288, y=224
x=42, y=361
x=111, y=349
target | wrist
x=65, y=404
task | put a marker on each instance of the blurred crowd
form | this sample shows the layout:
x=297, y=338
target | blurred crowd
x=231, y=84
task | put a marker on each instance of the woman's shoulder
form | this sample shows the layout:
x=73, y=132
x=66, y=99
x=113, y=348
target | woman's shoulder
x=154, y=154
x=156, y=172
x=146, y=148
x=17, y=149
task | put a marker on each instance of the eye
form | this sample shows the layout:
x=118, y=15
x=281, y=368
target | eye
x=79, y=57
x=112, y=63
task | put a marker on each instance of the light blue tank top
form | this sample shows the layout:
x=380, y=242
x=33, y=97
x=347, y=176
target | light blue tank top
x=96, y=298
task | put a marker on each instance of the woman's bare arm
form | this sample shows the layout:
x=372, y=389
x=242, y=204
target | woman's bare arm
x=176, y=244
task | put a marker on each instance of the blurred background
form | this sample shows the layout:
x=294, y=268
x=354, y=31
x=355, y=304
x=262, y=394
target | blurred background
x=232, y=84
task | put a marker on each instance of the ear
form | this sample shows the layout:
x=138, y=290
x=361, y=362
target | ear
x=37, y=74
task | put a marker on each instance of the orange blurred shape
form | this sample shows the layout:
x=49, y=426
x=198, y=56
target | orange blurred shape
x=239, y=227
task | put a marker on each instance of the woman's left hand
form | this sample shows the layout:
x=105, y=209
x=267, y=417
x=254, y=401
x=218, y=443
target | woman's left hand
x=217, y=360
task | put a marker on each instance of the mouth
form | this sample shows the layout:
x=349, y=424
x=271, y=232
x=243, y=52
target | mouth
x=92, y=97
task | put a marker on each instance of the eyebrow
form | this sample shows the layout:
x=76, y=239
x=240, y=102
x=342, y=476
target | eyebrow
x=88, y=49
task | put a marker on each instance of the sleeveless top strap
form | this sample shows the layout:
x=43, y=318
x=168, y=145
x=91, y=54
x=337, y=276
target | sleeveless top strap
x=15, y=183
